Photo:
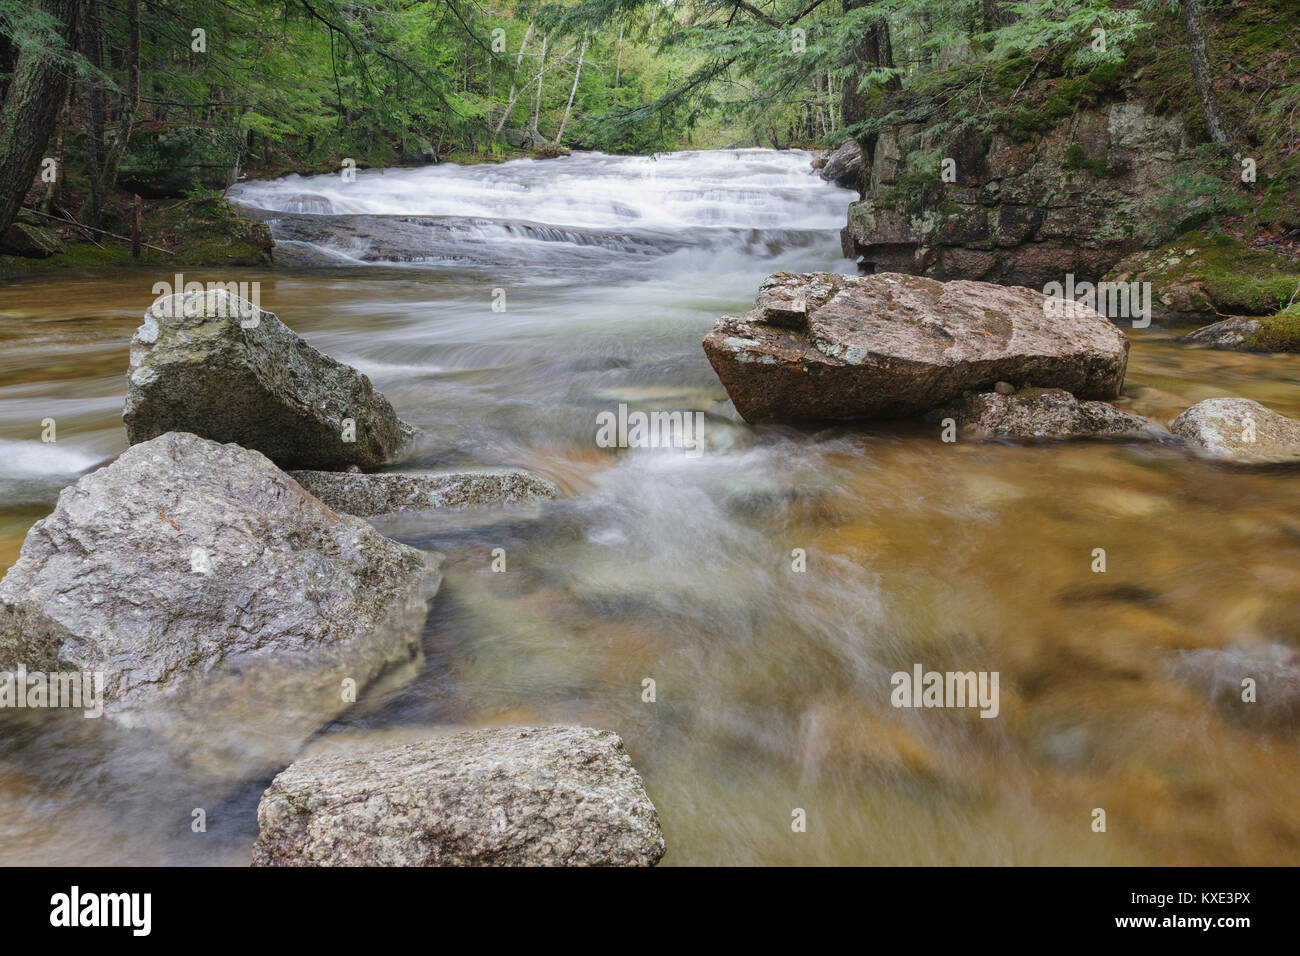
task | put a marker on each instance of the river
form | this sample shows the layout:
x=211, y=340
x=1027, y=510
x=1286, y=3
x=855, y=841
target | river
x=502, y=308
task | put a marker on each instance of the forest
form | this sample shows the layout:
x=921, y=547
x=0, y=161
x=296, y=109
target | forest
x=166, y=99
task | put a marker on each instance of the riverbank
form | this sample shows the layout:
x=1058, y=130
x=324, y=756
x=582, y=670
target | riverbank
x=202, y=229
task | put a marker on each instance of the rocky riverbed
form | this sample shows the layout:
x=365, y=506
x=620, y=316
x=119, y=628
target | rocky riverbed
x=734, y=618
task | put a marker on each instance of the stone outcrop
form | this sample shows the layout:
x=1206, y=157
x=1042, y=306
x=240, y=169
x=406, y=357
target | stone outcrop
x=378, y=494
x=830, y=347
x=215, y=365
x=1044, y=414
x=557, y=796
x=1074, y=198
x=1239, y=430
x=223, y=604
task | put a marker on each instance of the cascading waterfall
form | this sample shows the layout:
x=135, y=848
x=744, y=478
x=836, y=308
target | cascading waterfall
x=535, y=211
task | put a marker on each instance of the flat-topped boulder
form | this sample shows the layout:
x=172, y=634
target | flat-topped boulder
x=224, y=605
x=1044, y=414
x=830, y=347
x=216, y=365
x=516, y=796
x=1239, y=430
x=369, y=495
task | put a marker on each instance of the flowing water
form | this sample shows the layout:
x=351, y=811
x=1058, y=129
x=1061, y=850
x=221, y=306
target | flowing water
x=772, y=686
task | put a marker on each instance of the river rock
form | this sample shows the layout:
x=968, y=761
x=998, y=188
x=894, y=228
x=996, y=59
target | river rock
x=890, y=345
x=1044, y=413
x=367, y=495
x=843, y=165
x=215, y=365
x=224, y=605
x=30, y=241
x=566, y=796
x=1239, y=430
x=1233, y=333
x=1218, y=675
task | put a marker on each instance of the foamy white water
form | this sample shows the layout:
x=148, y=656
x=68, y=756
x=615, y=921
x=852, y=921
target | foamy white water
x=587, y=208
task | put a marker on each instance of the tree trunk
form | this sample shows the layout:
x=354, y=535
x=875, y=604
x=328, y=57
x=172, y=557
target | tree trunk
x=564, y=120
x=873, y=51
x=93, y=106
x=1194, y=21
x=535, y=134
x=618, y=63
x=30, y=111
x=998, y=13
x=514, y=95
x=131, y=104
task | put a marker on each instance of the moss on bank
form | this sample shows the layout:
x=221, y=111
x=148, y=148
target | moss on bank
x=1199, y=273
x=1028, y=95
x=203, y=231
x=1277, y=333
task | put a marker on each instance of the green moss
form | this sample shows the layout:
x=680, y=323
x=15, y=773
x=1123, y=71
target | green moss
x=1237, y=279
x=1277, y=333
x=201, y=231
x=1076, y=158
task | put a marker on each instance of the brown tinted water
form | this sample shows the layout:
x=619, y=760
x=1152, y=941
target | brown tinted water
x=772, y=687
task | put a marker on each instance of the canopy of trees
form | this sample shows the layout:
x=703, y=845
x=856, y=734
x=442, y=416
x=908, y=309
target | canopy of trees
x=163, y=95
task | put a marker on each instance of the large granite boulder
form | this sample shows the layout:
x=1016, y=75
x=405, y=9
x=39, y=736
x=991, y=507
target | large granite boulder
x=832, y=347
x=213, y=364
x=1043, y=414
x=1239, y=430
x=388, y=493
x=225, y=606
x=566, y=796
x=30, y=241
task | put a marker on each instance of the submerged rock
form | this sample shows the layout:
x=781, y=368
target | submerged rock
x=223, y=604
x=1239, y=430
x=215, y=365
x=377, y=494
x=1257, y=686
x=558, y=796
x=1044, y=413
x=843, y=165
x=890, y=345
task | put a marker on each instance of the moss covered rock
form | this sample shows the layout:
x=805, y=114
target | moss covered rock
x=32, y=242
x=1201, y=276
